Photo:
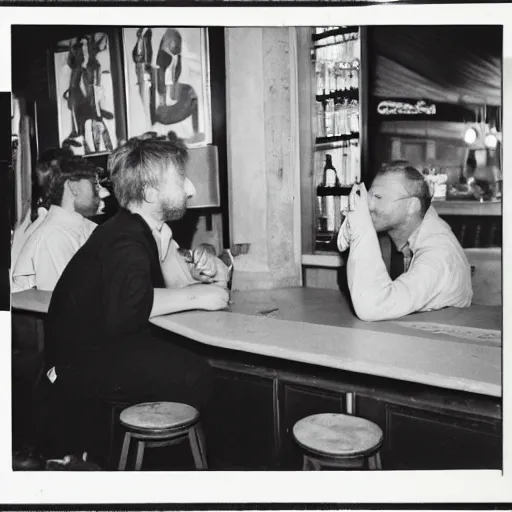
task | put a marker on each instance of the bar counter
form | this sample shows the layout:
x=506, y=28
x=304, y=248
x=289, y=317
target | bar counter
x=431, y=381
x=454, y=348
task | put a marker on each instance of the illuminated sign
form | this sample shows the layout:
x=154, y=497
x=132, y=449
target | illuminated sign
x=401, y=108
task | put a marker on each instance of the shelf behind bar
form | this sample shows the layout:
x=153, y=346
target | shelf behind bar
x=336, y=138
x=330, y=145
x=344, y=190
x=351, y=94
x=335, y=32
x=453, y=207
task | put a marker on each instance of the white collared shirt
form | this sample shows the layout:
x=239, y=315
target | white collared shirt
x=49, y=249
x=162, y=235
x=174, y=268
x=439, y=274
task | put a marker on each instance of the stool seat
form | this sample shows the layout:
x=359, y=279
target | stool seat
x=160, y=424
x=334, y=434
x=159, y=416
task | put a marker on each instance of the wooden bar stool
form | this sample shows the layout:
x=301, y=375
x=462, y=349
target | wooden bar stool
x=158, y=424
x=338, y=441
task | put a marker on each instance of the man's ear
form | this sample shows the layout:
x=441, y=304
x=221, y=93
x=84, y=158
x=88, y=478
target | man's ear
x=415, y=206
x=72, y=186
x=150, y=194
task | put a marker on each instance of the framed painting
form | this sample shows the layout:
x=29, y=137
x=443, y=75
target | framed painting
x=167, y=80
x=84, y=92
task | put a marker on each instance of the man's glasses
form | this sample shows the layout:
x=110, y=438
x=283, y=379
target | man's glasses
x=404, y=197
x=393, y=200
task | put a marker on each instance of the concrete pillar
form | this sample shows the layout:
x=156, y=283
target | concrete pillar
x=263, y=166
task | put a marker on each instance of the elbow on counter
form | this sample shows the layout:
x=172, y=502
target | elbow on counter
x=367, y=311
x=370, y=317
x=375, y=309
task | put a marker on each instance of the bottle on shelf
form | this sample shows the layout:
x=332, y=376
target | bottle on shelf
x=319, y=71
x=321, y=217
x=330, y=175
x=329, y=118
x=332, y=78
x=337, y=118
x=331, y=204
x=320, y=119
x=355, y=76
x=353, y=121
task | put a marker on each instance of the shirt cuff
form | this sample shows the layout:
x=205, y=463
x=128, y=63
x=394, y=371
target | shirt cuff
x=344, y=237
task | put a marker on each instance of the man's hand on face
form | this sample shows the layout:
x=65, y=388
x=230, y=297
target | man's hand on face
x=359, y=219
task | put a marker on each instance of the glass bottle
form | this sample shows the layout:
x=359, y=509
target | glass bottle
x=330, y=175
x=329, y=206
x=320, y=119
x=329, y=118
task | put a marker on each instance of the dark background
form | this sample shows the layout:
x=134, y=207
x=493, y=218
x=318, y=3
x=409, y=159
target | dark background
x=6, y=199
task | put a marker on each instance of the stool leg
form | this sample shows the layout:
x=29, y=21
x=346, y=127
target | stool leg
x=351, y=403
x=124, y=452
x=374, y=462
x=310, y=464
x=198, y=446
x=140, y=455
x=316, y=464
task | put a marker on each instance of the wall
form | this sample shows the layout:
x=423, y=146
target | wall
x=263, y=167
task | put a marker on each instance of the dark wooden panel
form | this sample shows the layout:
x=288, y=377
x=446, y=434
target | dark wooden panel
x=417, y=440
x=241, y=434
x=476, y=231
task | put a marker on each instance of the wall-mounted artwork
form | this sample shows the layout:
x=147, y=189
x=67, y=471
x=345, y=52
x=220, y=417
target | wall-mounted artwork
x=167, y=82
x=84, y=93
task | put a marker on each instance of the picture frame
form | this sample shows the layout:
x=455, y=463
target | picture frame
x=85, y=82
x=167, y=81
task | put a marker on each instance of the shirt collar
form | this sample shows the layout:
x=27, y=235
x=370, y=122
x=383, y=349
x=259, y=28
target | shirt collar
x=412, y=241
x=162, y=236
x=65, y=216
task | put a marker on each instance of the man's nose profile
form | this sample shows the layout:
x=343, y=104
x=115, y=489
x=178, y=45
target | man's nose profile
x=190, y=190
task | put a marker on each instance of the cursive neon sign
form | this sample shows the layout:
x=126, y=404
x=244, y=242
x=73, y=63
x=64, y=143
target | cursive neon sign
x=393, y=108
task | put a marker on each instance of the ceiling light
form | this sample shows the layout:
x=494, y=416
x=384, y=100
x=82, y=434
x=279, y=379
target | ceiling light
x=470, y=136
x=491, y=141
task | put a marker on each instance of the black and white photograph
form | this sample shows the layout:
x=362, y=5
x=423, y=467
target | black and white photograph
x=260, y=251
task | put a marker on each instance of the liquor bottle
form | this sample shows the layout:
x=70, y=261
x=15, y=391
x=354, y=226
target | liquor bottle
x=330, y=175
x=330, y=180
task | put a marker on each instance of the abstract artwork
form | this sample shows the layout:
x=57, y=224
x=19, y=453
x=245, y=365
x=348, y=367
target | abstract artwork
x=167, y=82
x=85, y=98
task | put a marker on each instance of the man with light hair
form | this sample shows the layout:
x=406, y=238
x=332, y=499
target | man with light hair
x=429, y=269
x=100, y=344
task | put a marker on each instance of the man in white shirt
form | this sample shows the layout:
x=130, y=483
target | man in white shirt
x=435, y=272
x=74, y=193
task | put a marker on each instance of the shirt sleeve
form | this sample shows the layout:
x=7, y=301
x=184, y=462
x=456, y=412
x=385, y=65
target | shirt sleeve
x=52, y=257
x=376, y=297
x=128, y=288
